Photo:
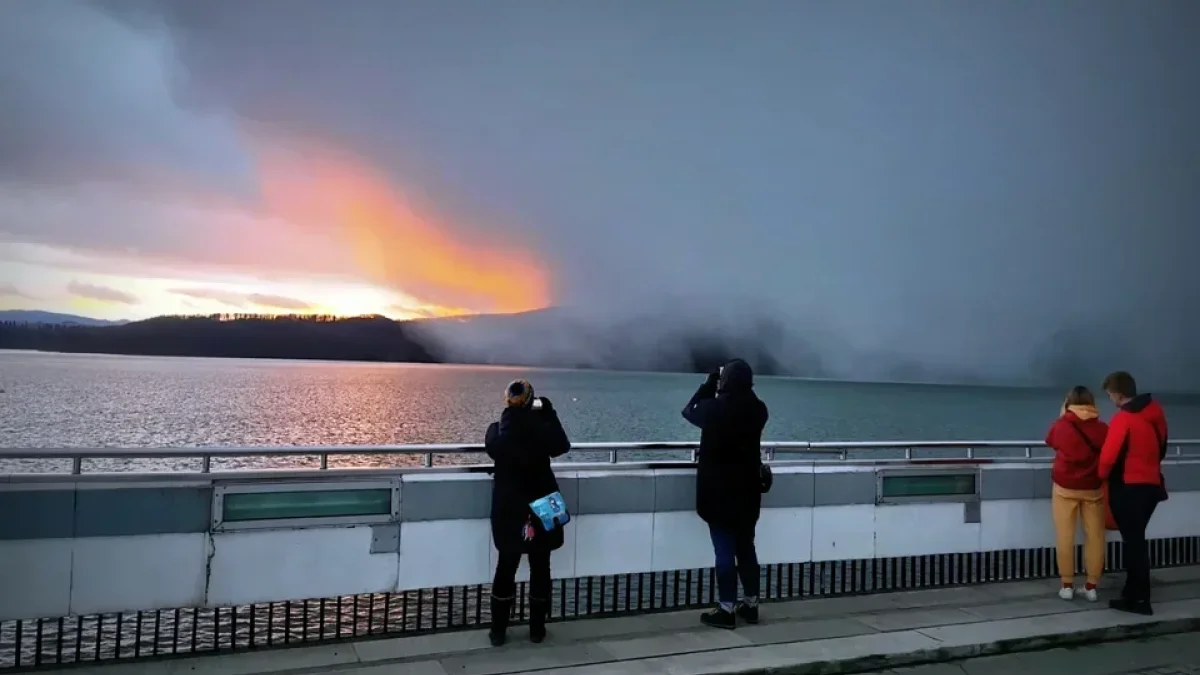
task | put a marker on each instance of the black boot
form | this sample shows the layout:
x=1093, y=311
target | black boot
x=747, y=612
x=1132, y=606
x=719, y=618
x=501, y=613
x=538, y=611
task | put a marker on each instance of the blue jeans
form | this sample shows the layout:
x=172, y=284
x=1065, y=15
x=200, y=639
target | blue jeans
x=735, y=558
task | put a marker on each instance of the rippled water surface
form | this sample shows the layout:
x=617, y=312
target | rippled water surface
x=61, y=401
x=58, y=400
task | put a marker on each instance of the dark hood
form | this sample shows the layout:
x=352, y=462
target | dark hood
x=1138, y=403
x=736, y=376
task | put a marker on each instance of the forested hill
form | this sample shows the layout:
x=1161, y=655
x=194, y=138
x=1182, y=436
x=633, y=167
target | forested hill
x=230, y=336
x=372, y=338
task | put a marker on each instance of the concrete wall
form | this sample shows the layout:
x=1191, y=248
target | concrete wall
x=68, y=548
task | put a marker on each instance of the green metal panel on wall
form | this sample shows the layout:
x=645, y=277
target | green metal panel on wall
x=928, y=485
x=256, y=506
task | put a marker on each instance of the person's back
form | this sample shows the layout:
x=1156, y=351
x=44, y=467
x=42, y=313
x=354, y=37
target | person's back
x=521, y=445
x=731, y=419
x=523, y=473
x=1141, y=424
x=1076, y=438
x=727, y=472
x=1131, y=462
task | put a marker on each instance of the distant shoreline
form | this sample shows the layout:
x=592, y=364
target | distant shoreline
x=378, y=340
x=368, y=339
x=541, y=368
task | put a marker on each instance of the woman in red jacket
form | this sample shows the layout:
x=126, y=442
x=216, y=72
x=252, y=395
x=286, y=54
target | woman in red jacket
x=1077, y=437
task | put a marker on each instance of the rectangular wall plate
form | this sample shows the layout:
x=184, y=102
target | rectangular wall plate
x=973, y=512
x=385, y=538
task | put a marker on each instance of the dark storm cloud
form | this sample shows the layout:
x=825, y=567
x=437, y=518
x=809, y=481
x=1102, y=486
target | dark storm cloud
x=88, y=96
x=96, y=135
x=997, y=190
x=102, y=293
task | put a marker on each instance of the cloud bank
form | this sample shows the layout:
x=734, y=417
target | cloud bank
x=100, y=293
x=244, y=300
x=902, y=190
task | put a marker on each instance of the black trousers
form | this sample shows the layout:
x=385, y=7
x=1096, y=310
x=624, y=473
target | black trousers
x=1132, y=507
x=504, y=583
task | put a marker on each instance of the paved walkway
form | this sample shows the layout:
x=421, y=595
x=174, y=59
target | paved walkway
x=871, y=633
x=1166, y=655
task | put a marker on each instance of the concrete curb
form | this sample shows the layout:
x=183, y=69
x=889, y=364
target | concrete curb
x=875, y=662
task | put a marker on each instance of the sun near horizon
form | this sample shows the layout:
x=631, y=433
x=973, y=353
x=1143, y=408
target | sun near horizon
x=119, y=297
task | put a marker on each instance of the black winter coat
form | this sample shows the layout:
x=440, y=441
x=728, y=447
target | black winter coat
x=728, y=485
x=521, y=445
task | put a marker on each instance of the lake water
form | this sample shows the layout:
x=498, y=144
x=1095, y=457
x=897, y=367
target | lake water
x=63, y=400
x=56, y=400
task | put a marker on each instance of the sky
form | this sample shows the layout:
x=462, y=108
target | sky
x=993, y=188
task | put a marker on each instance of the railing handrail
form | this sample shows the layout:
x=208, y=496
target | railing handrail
x=464, y=448
x=837, y=449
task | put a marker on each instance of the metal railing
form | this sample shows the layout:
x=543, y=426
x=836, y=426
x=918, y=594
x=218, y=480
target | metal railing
x=47, y=643
x=773, y=451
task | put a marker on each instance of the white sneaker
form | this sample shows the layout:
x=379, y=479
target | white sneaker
x=1066, y=593
x=1090, y=594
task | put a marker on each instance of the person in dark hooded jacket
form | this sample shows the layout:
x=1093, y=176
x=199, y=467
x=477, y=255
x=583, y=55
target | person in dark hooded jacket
x=729, y=487
x=521, y=446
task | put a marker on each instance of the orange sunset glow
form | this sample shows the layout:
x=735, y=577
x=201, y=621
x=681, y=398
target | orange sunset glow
x=329, y=234
x=391, y=244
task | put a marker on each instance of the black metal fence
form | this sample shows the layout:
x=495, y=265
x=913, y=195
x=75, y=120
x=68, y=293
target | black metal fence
x=42, y=643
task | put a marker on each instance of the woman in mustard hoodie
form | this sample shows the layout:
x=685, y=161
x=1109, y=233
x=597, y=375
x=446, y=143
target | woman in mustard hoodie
x=1076, y=437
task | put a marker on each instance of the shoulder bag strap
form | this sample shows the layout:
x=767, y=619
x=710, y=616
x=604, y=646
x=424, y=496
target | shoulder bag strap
x=1084, y=436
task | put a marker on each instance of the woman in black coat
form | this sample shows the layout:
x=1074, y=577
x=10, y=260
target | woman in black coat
x=729, y=484
x=521, y=445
